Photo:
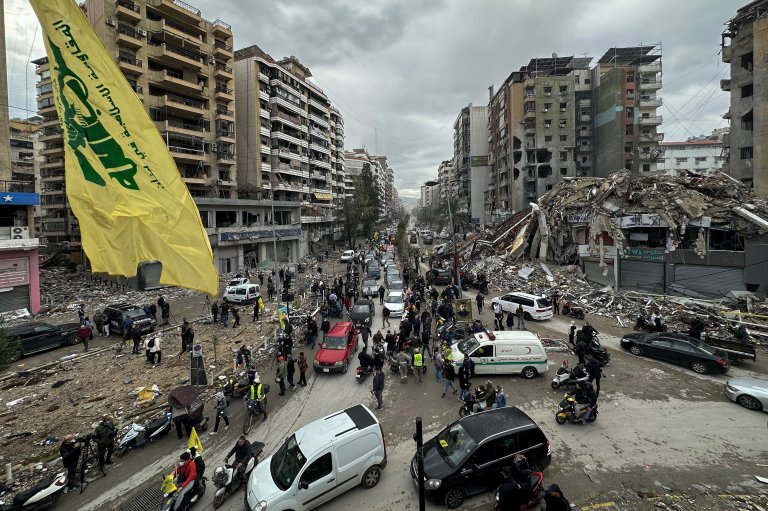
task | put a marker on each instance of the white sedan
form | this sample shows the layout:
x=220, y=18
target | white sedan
x=347, y=256
x=394, y=302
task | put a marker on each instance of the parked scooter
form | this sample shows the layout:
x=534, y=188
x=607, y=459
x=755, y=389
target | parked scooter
x=566, y=377
x=138, y=436
x=362, y=372
x=566, y=411
x=645, y=324
x=571, y=310
x=46, y=493
x=224, y=477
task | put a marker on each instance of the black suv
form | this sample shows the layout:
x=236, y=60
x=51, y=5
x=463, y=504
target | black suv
x=466, y=458
x=119, y=311
x=34, y=337
x=362, y=313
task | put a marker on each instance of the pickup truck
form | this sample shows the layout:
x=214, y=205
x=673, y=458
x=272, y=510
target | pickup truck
x=736, y=349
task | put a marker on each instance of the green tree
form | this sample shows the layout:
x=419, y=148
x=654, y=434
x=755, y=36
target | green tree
x=9, y=350
x=436, y=217
x=361, y=211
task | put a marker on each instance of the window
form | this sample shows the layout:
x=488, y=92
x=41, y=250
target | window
x=563, y=138
x=563, y=89
x=549, y=187
x=547, y=123
x=483, y=351
x=563, y=106
x=318, y=469
x=547, y=106
x=630, y=77
x=563, y=155
x=587, y=81
x=746, y=153
x=662, y=343
x=630, y=112
x=547, y=138
x=646, y=167
x=681, y=160
x=504, y=447
x=746, y=90
x=548, y=91
x=530, y=106
x=700, y=159
x=563, y=171
x=562, y=123
x=746, y=61
x=725, y=240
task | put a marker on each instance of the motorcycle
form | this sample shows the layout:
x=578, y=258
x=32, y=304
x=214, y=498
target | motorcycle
x=362, y=372
x=237, y=388
x=566, y=377
x=467, y=405
x=170, y=490
x=596, y=350
x=138, y=436
x=332, y=311
x=566, y=411
x=645, y=324
x=224, y=477
x=46, y=493
x=535, y=493
x=571, y=310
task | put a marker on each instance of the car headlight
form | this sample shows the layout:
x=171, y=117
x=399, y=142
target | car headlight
x=339, y=363
x=315, y=363
x=432, y=484
x=260, y=506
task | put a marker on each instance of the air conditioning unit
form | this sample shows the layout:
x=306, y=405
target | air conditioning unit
x=111, y=22
x=212, y=60
x=142, y=33
x=19, y=233
x=214, y=148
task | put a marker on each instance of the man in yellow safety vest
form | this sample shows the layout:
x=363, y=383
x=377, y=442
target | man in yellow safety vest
x=418, y=363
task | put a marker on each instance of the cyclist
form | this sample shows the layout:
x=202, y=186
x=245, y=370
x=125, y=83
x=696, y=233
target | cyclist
x=256, y=393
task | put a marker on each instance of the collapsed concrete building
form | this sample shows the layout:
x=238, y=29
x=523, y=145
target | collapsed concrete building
x=702, y=237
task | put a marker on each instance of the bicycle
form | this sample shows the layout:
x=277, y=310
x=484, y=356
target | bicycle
x=251, y=411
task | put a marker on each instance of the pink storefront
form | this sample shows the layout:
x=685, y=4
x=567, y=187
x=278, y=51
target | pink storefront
x=19, y=260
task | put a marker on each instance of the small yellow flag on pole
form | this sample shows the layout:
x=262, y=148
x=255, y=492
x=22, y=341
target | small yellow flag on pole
x=122, y=182
x=194, y=441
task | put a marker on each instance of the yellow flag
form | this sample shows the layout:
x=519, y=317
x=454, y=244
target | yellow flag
x=122, y=182
x=194, y=441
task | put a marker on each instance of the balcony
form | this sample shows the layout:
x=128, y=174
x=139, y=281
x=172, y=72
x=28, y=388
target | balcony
x=277, y=100
x=278, y=134
x=173, y=55
x=653, y=120
x=530, y=114
x=650, y=85
x=320, y=106
x=224, y=114
x=222, y=71
x=187, y=155
x=222, y=92
x=130, y=65
x=222, y=29
x=586, y=164
x=178, y=9
x=651, y=137
x=320, y=148
x=584, y=133
x=263, y=95
x=291, y=170
x=222, y=50
x=129, y=37
x=52, y=149
x=320, y=121
x=585, y=103
x=290, y=120
x=276, y=82
x=264, y=130
x=320, y=163
x=225, y=158
x=650, y=68
x=647, y=156
x=650, y=102
x=585, y=118
x=725, y=85
x=186, y=33
x=175, y=82
x=179, y=104
x=727, y=53
x=127, y=10
x=584, y=148
x=180, y=126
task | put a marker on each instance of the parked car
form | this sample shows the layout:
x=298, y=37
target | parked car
x=362, y=313
x=36, y=336
x=319, y=462
x=239, y=281
x=534, y=307
x=394, y=302
x=243, y=294
x=751, y=393
x=370, y=288
x=336, y=350
x=397, y=285
x=439, y=276
x=347, y=256
x=427, y=239
x=373, y=270
x=391, y=276
x=678, y=349
x=116, y=314
x=466, y=458
x=413, y=239
x=503, y=352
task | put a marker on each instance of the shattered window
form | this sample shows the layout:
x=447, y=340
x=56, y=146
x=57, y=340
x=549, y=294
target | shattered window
x=725, y=240
x=648, y=237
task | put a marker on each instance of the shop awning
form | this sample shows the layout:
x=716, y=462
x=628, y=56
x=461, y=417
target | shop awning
x=322, y=196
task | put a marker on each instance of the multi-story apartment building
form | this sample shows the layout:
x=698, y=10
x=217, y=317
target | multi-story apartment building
x=745, y=48
x=625, y=82
x=539, y=131
x=445, y=177
x=290, y=139
x=430, y=194
x=381, y=185
x=25, y=165
x=470, y=157
x=699, y=156
x=390, y=191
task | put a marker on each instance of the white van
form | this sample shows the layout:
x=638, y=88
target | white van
x=244, y=293
x=503, y=352
x=319, y=462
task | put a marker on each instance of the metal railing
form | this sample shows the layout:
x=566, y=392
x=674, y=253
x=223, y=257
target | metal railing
x=17, y=186
x=222, y=46
x=187, y=7
x=219, y=23
x=128, y=5
x=178, y=50
x=126, y=30
x=224, y=89
x=224, y=111
x=173, y=98
x=222, y=67
x=129, y=60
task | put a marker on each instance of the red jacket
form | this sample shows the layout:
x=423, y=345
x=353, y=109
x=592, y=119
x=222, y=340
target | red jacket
x=188, y=472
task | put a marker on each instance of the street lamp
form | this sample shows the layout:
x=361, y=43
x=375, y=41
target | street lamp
x=457, y=279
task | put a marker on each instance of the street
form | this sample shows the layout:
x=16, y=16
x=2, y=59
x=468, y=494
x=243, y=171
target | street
x=662, y=429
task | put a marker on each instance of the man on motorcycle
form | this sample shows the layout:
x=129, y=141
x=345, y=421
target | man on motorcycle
x=585, y=400
x=509, y=496
x=366, y=360
x=242, y=452
x=184, y=476
x=256, y=393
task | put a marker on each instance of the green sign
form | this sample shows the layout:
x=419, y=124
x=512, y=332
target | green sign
x=645, y=254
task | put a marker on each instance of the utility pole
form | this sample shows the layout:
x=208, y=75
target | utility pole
x=420, y=463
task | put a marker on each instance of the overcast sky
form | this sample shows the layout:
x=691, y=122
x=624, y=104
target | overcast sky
x=400, y=70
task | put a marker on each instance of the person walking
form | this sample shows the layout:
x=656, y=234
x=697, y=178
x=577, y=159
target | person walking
x=437, y=359
x=325, y=326
x=464, y=376
x=280, y=374
x=402, y=362
x=418, y=363
x=224, y=313
x=416, y=326
x=215, y=311
x=290, y=371
x=385, y=316
x=256, y=309
x=81, y=313
x=236, y=316
x=302, y=363
x=556, y=301
x=595, y=374
x=378, y=386
x=222, y=412
x=155, y=349
x=136, y=338
x=270, y=289
x=498, y=314
x=479, y=300
x=510, y=321
x=581, y=350
x=104, y=435
x=84, y=334
x=70, y=454
x=449, y=375
x=365, y=333
x=520, y=318
x=572, y=332
x=165, y=311
x=381, y=294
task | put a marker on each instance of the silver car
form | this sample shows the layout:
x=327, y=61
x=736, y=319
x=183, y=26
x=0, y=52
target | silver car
x=370, y=288
x=751, y=393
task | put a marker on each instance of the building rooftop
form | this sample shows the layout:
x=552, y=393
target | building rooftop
x=691, y=142
x=631, y=55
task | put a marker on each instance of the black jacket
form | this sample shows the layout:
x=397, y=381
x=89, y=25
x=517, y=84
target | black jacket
x=241, y=452
x=449, y=373
x=556, y=503
x=378, y=381
x=581, y=348
x=593, y=368
x=69, y=453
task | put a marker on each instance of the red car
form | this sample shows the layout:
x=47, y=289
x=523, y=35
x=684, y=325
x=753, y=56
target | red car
x=336, y=351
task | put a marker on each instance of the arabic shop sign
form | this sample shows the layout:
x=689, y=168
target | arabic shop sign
x=645, y=254
x=579, y=218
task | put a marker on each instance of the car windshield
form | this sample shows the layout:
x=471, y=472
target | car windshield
x=394, y=299
x=543, y=302
x=286, y=463
x=334, y=343
x=134, y=313
x=455, y=444
x=359, y=309
x=468, y=345
x=369, y=283
x=234, y=282
x=396, y=284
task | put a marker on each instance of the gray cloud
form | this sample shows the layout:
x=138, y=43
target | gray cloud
x=400, y=70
